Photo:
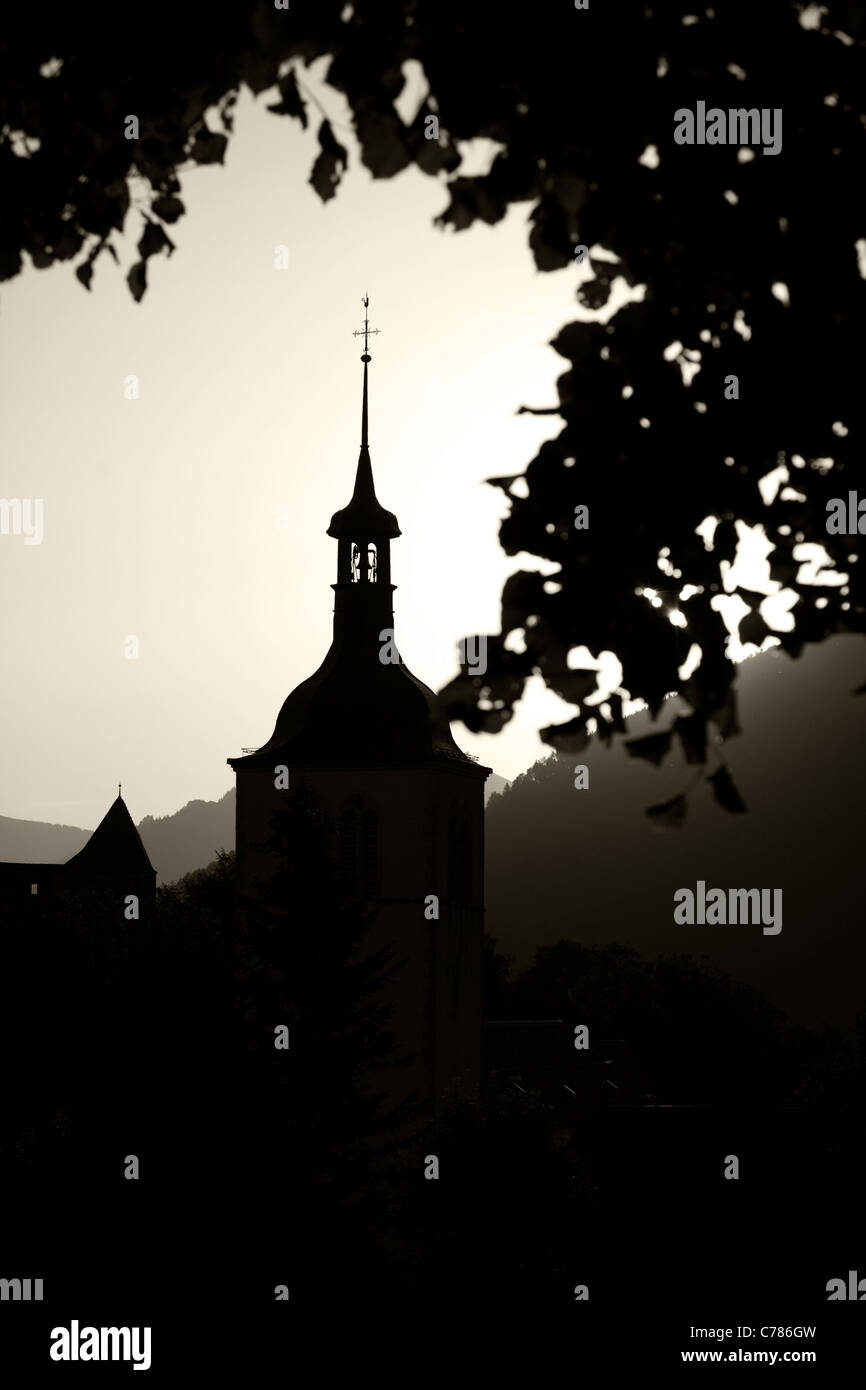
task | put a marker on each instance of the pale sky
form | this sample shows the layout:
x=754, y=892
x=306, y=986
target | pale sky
x=160, y=513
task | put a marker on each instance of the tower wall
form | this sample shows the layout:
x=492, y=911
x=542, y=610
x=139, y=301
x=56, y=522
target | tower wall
x=430, y=828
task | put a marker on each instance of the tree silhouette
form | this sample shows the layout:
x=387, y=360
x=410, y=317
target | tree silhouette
x=741, y=1050
x=748, y=265
x=83, y=1005
x=313, y=1114
x=158, y=1039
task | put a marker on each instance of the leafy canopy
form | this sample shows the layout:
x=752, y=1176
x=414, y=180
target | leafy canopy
x=747, y=263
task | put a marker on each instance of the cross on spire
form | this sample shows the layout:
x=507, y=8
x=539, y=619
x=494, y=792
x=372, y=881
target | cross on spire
x=366, y=330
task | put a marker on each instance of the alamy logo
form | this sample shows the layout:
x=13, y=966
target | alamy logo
x=102, y=1344
x=22, y=516
x=846, y=521
x=472, y=653
x=732, y=127
x=19, y=1290
x=738, y=906
x=856, y=1290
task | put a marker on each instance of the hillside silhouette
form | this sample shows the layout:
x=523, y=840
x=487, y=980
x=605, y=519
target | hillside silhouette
x=176, y=844
x=591, y=866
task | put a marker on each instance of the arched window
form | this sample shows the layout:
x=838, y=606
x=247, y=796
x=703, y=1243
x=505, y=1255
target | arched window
x=363, y=563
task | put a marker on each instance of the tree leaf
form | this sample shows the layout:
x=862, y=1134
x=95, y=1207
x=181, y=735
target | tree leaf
x=549, y=239
x=753, y=629
x=669, y=815
x=725, y=541
x=85, y=273
x=384, y=148
x=751, y=596
x=653, y=747
x=168, y=207
x=471, y=199
x=570, y=191
x=153, y=240
x=594, y=294
x=291, y=102
x=137, y=280
x=615, y=702
x=570, y=737
x=691, y=729
x=723, y=713
x=725, y=792
x=330, y=165
x=573, y=686
x=209, y=147
x=504, y=483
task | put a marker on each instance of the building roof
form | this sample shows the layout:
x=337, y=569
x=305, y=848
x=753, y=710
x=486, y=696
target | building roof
x=354, y=712
x=115, y=845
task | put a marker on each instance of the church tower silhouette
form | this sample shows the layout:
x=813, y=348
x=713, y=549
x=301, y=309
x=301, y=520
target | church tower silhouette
x=374, y=746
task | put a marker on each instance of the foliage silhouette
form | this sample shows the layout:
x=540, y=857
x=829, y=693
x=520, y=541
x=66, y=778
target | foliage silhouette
x=230, y=1168
x=159, y=1041
x=748, y=268
x=741, y=1048
x=319, y=1107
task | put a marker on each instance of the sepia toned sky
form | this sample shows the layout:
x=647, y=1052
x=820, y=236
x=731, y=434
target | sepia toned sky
x=160, y=513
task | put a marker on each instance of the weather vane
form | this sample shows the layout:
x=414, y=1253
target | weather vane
x=366, y=330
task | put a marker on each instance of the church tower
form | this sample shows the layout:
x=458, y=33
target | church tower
x=372, y=743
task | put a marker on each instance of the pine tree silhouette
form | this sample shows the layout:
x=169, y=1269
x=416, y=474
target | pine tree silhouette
x=316, y=1130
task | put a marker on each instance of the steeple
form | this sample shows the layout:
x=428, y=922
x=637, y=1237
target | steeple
x=404, y=805
x=364, y=528
x=363, y=703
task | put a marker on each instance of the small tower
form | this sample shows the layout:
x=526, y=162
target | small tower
x=112, y=867
x=373, y=744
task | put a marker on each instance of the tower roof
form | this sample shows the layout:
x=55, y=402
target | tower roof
x=355, y=709
x=115, y=845
x=365, y=518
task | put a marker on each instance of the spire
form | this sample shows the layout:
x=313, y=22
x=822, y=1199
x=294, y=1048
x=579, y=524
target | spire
x=364, y=440
x=365, y=492
x=365, y=517
x=365, y=358
x=359, y=709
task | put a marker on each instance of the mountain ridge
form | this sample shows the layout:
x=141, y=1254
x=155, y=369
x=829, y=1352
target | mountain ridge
x=176, y=844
